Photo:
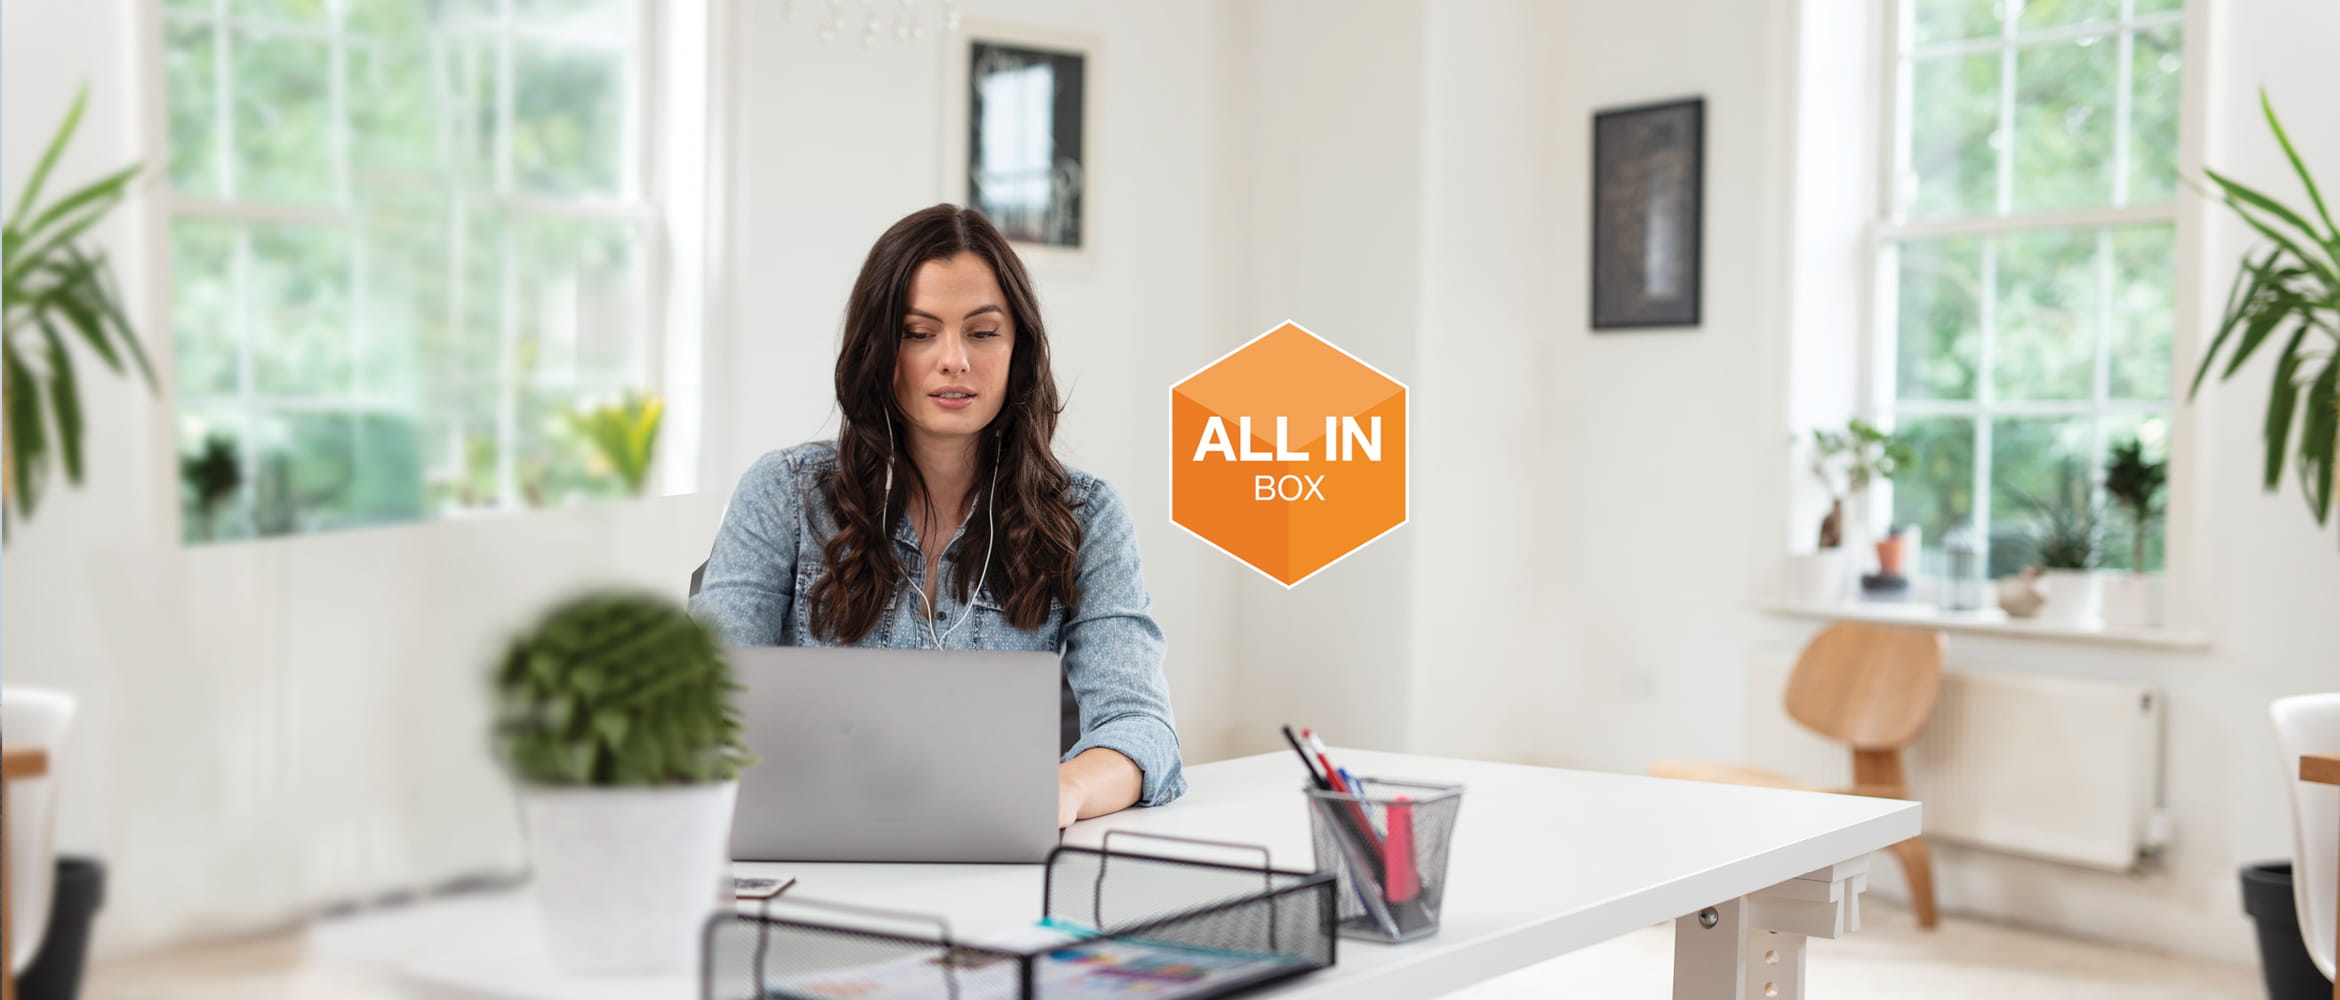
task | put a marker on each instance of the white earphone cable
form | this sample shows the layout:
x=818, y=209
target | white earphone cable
x=990, y=537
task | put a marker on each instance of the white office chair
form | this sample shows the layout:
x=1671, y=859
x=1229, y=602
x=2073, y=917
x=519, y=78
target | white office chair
x=32, y=719
x=2305, y=724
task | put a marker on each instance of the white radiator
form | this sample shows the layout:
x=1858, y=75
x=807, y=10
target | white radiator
x=2052, y=767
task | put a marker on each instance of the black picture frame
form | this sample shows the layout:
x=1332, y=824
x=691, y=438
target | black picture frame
x=1648, y=208
x=1040, y=198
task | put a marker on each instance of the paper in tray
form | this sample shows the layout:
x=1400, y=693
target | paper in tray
x=1069, y=963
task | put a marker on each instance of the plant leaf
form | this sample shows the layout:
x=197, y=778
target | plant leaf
x=2317, y=435
x=2228, y=318
x=65, y=400
x=2305, y=179
x=25, y=434
x=99, y=196
x=2321, y=267
x=2282, y=399
x=2237, y=190
x=40, y=174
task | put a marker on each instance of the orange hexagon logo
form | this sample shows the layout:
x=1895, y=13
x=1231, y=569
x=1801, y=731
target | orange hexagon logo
x=1288, y=454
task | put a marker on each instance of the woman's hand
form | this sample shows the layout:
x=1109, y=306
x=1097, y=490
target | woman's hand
x=1097, y=782
x=1068, y=801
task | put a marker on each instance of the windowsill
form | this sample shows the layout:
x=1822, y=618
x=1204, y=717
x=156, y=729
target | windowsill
x=1990, y=621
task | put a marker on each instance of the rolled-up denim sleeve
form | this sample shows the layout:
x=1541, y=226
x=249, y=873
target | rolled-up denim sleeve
x=750, y=584
x=1113, y=653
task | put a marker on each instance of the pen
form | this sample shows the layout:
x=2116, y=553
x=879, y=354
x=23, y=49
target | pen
x=1313, y=778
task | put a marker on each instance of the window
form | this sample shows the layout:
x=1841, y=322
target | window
x=407, y=240
x=2027, y=255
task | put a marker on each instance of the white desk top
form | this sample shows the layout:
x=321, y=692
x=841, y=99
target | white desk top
x=1544, y=862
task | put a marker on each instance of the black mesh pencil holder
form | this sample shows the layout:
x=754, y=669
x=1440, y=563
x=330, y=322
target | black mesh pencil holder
x=1387, y=842
x=1254, y=924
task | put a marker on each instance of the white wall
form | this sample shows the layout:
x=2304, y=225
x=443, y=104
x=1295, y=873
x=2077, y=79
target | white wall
x=1330, y=128
x=839, y=141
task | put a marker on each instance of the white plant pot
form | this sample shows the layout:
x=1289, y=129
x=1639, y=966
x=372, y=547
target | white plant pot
x=1817, y=578
x=2132, y=600
x=2075, y=598
x=627, y=876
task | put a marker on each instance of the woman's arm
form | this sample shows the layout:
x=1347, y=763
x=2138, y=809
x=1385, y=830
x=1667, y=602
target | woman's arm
x=1128, y=750
x=1097, y=782
x=750, y=583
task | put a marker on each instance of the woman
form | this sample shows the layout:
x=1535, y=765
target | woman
x=941, y=519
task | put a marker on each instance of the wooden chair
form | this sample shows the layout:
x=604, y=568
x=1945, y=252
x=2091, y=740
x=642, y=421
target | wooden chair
x=1871, y=688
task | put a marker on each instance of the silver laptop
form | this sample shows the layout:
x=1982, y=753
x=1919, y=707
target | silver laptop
x=896, y=755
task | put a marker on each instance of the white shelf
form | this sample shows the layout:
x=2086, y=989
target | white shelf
x=1989, y=621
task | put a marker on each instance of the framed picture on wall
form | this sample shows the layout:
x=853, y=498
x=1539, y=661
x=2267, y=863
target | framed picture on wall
x=1648, y=163
x=1017, y=140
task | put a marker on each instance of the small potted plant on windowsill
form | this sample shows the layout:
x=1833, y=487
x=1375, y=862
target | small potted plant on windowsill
x=2070, y=543
x=614, y=716
x=1845, y=462
x=2134, y=482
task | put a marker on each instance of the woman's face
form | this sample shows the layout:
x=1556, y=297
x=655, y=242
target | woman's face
x=951, y=373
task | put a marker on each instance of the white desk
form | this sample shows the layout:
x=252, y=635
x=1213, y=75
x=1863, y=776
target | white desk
x=1545, y=861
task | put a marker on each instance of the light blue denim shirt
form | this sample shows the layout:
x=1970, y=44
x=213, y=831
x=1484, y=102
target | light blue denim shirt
x=768, y=555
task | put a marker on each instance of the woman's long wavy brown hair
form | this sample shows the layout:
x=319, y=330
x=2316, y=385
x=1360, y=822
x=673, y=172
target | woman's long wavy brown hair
x=1034, y=560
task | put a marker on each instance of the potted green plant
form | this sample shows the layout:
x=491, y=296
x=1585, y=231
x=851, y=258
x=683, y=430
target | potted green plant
x=1845, y=463
x=624, y=435
x=2290, y=293
x=58, y=292
x=2069, y=541
x=614, y=715
x=2133, y=481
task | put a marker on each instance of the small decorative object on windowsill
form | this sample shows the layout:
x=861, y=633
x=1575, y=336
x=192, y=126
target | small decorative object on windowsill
x=1962, y=577
x=1894, y=552
x=2019, y=595
x=1845, y=462
x=2134, y=481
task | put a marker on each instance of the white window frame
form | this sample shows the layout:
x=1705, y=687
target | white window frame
x=1879, y=396
x=650, y=197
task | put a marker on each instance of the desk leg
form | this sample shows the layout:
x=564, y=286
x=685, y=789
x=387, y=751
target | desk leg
x=1753, y=946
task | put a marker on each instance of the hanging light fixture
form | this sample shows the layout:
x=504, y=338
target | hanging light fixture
x=908, y=23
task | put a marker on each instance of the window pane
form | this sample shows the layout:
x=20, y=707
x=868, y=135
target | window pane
x=2151, y=430
x=393, y=119
x=2039, y=14
x=1953, y=156
x=579, y=300
x=325, y=470
x=1936, y=490
x=459, y=446
x=300, y=311
x=2156, y=63
x=2064, y=124
x=2159, y=6
x=284, y=147
x=471, y=111
x=204, y=323
x=2144, y=316
x=405, y=284
x=189, y=75
x=568, y=121
x=576, y=15
x=1940, y=318
x=2046, y=321
x=2031, y=460
x=1951, y=20
x=279, y=10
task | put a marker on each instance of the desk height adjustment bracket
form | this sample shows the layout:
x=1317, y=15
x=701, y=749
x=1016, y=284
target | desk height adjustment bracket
x=1753, y=946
